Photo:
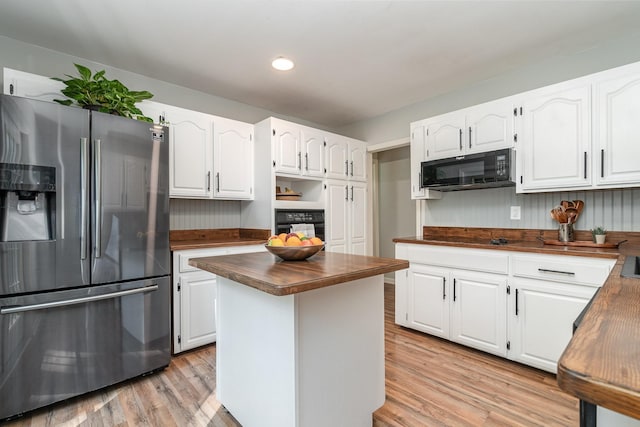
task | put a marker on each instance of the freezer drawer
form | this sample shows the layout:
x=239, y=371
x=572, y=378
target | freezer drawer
x=62, y=344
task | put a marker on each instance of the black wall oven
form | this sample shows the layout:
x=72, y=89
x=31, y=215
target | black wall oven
x=285, y=218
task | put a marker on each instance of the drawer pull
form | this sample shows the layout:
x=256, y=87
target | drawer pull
x=545, y=270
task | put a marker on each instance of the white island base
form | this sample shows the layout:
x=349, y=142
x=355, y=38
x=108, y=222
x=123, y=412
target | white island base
x=314, y=358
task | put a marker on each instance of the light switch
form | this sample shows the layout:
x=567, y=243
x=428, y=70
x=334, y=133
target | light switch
x=515, y=212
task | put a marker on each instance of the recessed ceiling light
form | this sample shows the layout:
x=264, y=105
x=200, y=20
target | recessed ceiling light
x=282, y=64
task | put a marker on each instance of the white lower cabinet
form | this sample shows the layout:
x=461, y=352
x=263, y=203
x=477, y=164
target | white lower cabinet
x=520, y=306
x=194, y=297
x=468, y=307
x=541, y=320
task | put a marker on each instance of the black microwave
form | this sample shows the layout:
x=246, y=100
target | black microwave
x=480, y=170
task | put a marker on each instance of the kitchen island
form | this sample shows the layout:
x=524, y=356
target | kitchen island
x=300, y=343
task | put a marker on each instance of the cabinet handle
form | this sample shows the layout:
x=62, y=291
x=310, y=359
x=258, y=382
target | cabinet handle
x=460, y=139
x=585, y=165
x=454, y=290
x=11, y=89
x=444, y=289
x=306, y=162
x=469, y=136
x=346, y=192
x=352, y=168
x=217, y=182
x=209, y=181
x=352, y=193
x=516, y=301
x=545, y=270
x=602, y=163
x=346, y=168
x=299, y=160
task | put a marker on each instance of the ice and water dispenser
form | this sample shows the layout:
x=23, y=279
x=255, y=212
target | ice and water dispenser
x=27, y=202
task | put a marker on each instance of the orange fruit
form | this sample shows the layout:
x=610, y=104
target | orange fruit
x=306, y=242
x=283, y=237
x=293, y=241
x=315, y=241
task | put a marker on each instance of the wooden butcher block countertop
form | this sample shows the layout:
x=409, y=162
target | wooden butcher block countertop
x=601, y=364
x=217, y=237
x=266, y=272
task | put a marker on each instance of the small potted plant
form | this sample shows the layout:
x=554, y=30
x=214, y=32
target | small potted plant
x=599, y=235
x=95, y=92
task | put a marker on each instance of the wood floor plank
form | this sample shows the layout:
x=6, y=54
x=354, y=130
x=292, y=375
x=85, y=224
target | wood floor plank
x=429, y=382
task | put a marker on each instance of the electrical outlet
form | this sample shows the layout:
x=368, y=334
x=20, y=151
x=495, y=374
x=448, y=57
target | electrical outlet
x=515, y=212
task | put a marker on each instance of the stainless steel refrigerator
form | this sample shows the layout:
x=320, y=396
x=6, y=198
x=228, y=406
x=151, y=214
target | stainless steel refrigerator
x=84, y=252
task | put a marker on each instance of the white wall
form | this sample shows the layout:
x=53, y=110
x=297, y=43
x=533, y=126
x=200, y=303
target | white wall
x=35, y=59
x=395, y=124
x=396, y=210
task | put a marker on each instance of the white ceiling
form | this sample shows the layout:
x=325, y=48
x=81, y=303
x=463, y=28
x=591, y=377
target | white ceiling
x=354, y=59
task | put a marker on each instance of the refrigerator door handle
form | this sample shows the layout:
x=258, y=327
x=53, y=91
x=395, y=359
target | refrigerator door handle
x=62, y=303
x=97, y=165
x=84, y=196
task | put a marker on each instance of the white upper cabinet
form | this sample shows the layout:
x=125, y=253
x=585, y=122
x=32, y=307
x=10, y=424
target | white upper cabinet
x=476, y=129
x=286, y=147
x=555, y=143
x=444, y=136
x=297, y=149
x=617, y=126
x=210, y=157
x=346, y=158
x=232, y=159
x=32, y=86
x=313, y=143
x=490, y=126
x=190, y=153
x=337, y=155
x=346, y=217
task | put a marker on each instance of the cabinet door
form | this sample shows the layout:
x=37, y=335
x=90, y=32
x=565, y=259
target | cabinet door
x=32, y=86
x=479, y=307
x=357, y=160
x=444, y=136
x=489, y=127
x=286, y=146
x=313, y=149
x=541, y=316
x=336, y=221
x=190, y=149
x=556, y=139
x=617, y=104
x=428, y=300
x=417, y=157
x=197, y=310
x=232, y=159
x=337, y=153
x=357, y=231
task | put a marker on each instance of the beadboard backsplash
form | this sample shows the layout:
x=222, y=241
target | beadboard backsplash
x=616, y=210
x=188, y=214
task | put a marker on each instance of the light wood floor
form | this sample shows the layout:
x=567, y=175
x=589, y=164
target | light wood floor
x=429, y=382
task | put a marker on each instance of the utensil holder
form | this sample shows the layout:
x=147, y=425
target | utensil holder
x=565, y=233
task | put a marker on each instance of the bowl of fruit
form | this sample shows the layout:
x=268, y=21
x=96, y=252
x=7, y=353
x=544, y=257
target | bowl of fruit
x=294, y=246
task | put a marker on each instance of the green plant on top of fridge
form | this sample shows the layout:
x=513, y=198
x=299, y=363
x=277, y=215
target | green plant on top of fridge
x=96, y=92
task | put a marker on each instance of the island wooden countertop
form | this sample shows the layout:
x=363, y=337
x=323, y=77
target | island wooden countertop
x=268, y=273
x=601, y=364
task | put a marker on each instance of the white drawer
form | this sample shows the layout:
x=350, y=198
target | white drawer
x=486, y=260
x=186, y=255
x=566, y=269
